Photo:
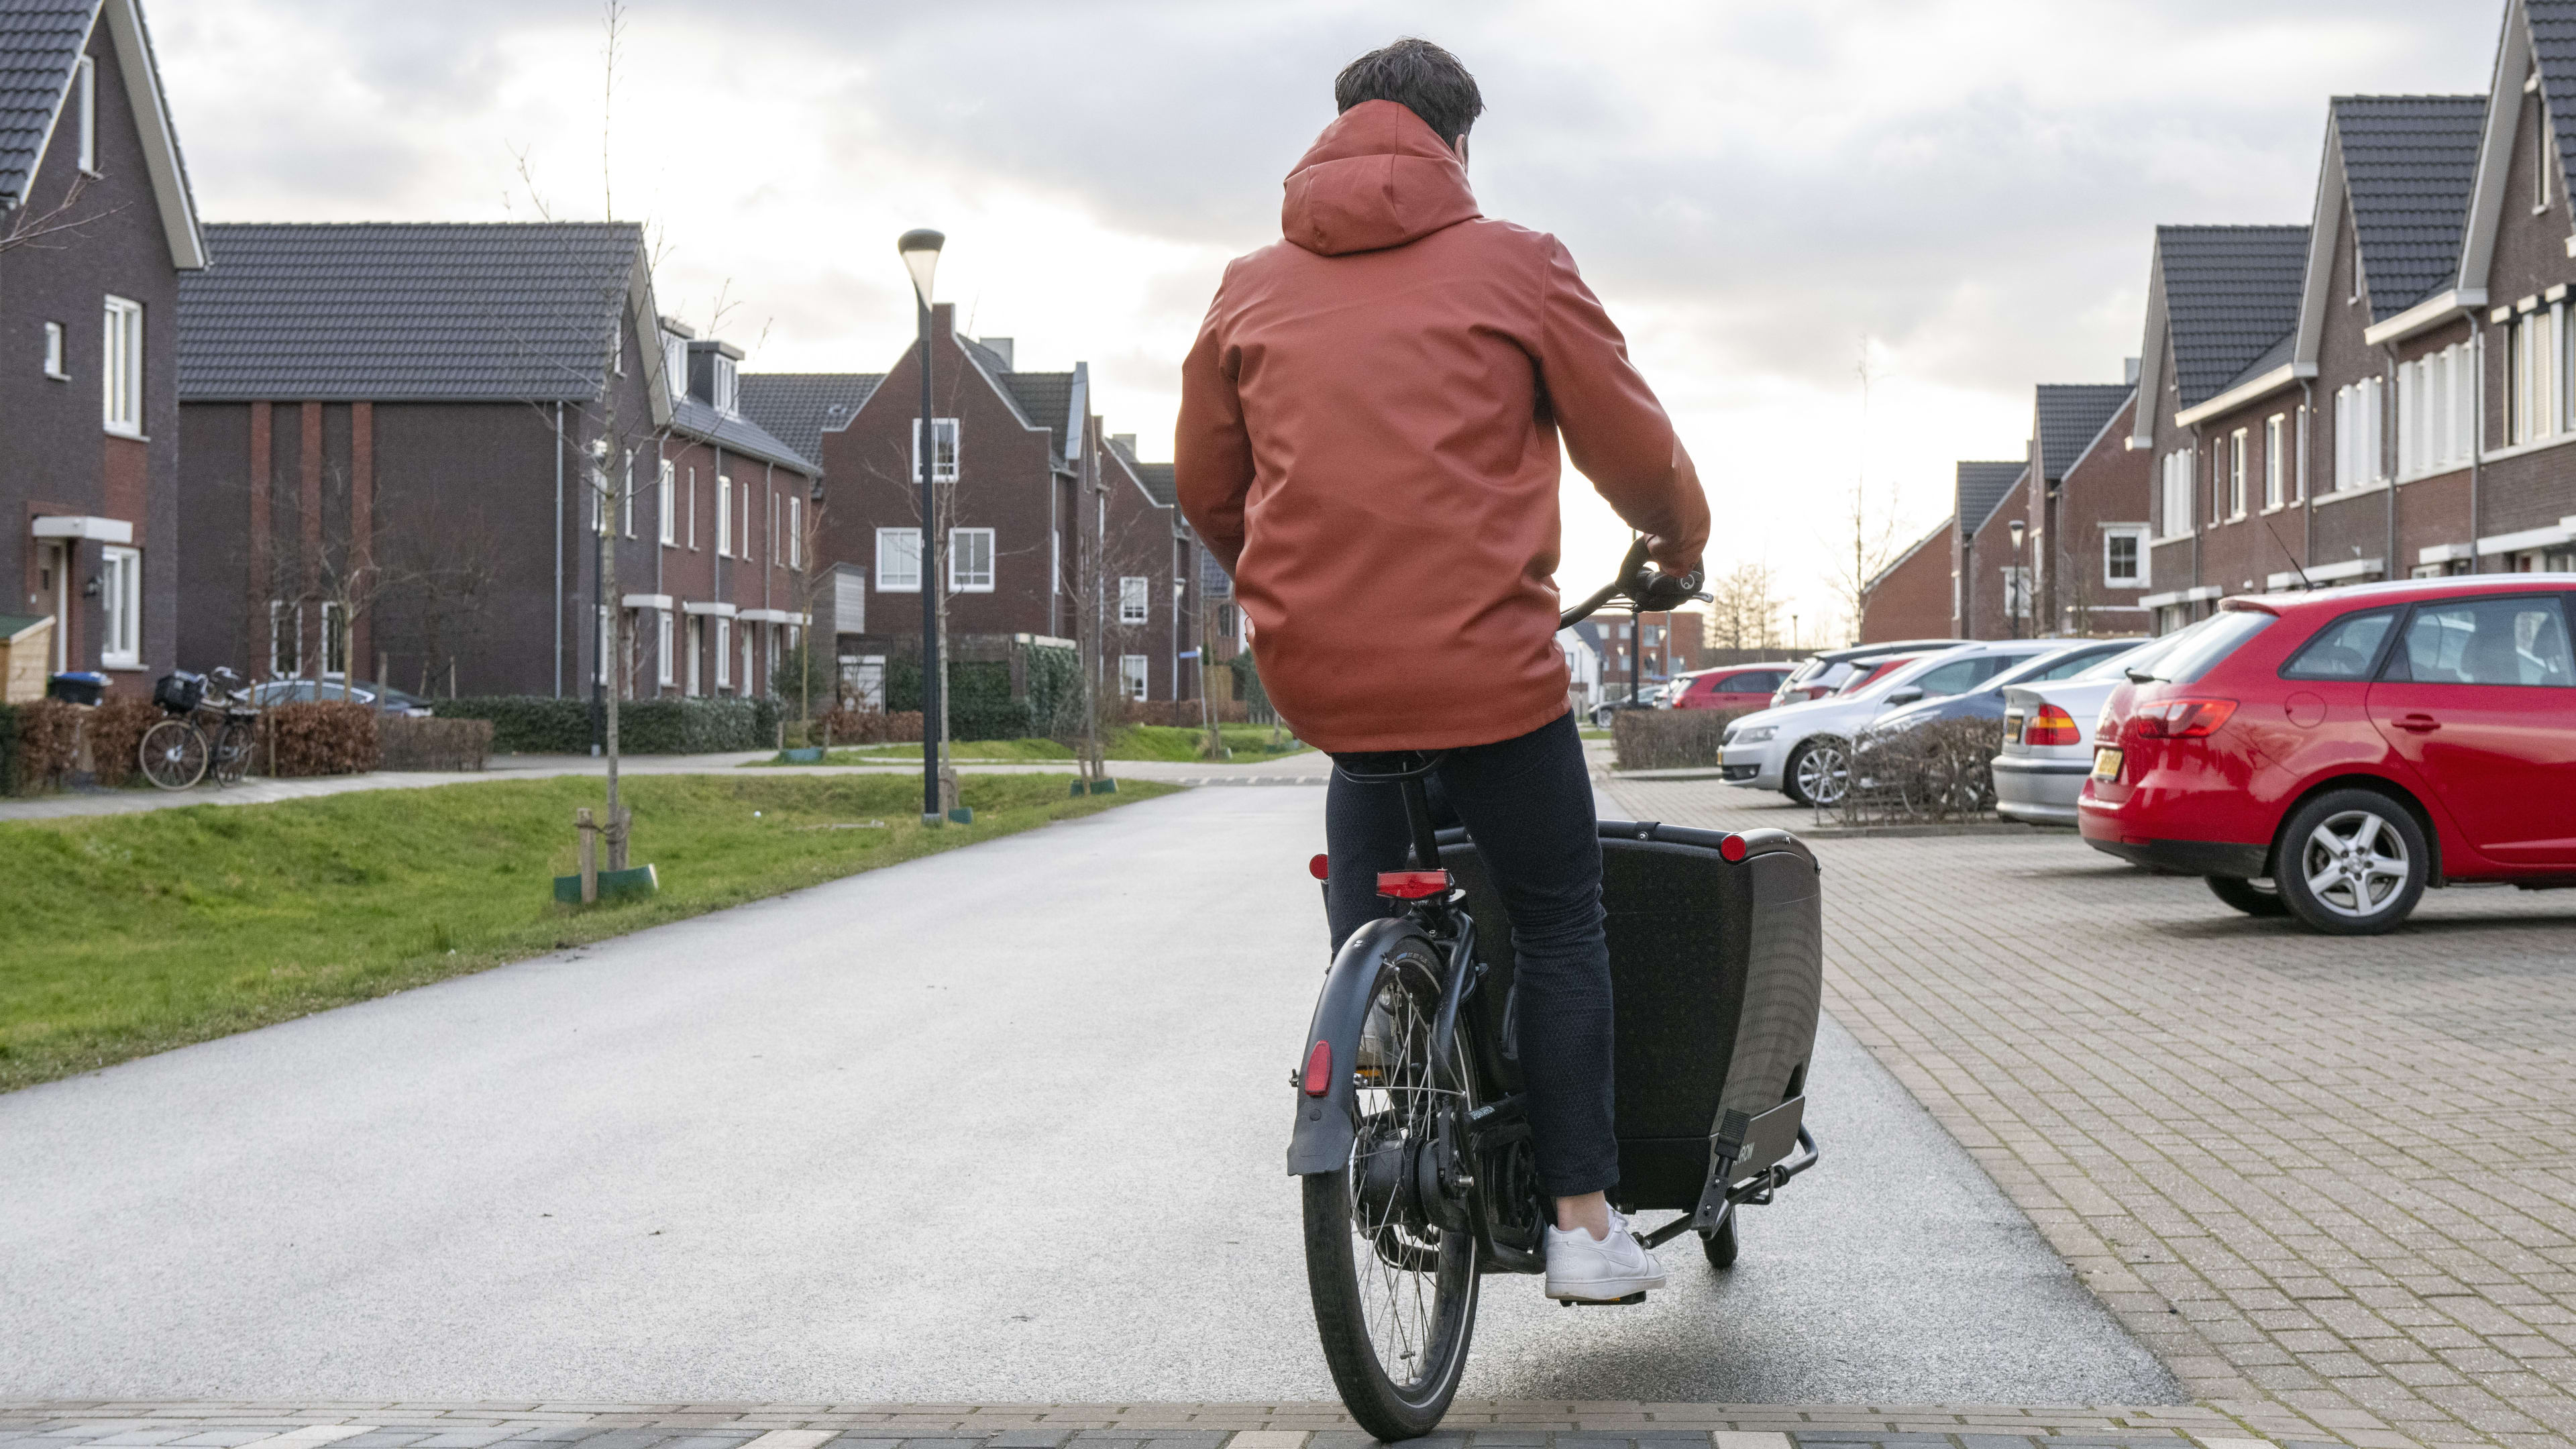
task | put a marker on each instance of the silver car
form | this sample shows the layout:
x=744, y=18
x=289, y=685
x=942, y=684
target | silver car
x=2048, y=737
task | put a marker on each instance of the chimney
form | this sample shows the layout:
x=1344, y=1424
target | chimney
x=2129, y=371
x=1001, y=345
x=1126, y=441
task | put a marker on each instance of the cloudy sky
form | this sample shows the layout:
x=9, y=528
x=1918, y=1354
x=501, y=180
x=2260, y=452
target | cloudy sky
x=1960, y=191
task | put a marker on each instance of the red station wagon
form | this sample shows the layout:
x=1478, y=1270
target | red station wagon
x=1736, y=686
x=2351, y=747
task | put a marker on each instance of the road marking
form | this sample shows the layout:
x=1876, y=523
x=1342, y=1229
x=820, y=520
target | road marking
x=2210, y=1443
x=1268, y=1439
x=308, y=1436
x=1748, y=1439
x=791, y=1439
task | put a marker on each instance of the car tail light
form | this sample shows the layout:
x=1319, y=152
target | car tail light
x=1321, y=867
x=2051, y=726
x=1319, y=1070
x=2182, y=719
x=1412, y=885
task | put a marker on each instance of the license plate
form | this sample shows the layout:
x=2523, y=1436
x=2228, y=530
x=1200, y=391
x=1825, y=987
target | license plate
x=2106, y=764
x=2012, y=729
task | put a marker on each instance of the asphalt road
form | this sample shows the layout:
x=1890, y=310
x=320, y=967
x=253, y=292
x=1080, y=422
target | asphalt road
x=1004, y=1124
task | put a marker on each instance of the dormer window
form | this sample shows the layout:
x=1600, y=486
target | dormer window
x=675, y=364
x=727, y=389
x=85, y=105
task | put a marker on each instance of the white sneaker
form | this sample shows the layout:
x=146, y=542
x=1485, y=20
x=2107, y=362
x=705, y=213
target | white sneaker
x=1585, y=1269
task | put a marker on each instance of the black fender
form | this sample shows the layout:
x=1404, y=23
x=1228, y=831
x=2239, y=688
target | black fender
x=1320, y=1140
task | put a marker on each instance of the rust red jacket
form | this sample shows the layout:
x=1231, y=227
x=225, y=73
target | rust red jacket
x=1368, y=442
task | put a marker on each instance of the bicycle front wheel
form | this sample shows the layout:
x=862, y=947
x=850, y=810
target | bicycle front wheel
x=174, y=754
x=1394, y=1285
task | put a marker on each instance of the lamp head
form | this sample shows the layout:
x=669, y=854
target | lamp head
x=919, y=248
x=2017, y=527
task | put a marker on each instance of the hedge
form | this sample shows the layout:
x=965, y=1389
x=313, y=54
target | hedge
x=541, y=724
x=865, y=727
x=1671, y=739
x=434, y=744
x=980, y=705
x=325, y=737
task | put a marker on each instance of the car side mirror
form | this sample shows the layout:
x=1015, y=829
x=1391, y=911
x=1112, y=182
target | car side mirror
x=1904, y=696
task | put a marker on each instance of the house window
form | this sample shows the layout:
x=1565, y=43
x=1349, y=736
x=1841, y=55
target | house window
x=970, y=560
x=2531, y=388
x=2176, y=510
x=724, y=516
x=728, y=386
x=692, y=510
x=898, y=560
x=2236, y=450
x=2016, y=592
x=697, y=647
x=626, y=496
x=724, y=652
x=1135, y=600
x=121, y=370
x=1225, y=621
x=2357, y=457
x=335, y=639
x=2275, y=459
x=795, y=532
x=662, y=647
x=120, y=581
x=1131, y=675
x=663, y=490
x=675, y=364
x=54, y=367
x=943, y=467
x=85, y=99
x=2124, y=558
x=285, y=639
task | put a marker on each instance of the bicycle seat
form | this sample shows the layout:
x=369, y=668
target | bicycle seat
x=1388, y=768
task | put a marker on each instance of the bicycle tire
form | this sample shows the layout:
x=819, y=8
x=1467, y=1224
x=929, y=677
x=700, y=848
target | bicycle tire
x=233, y=746
x=1720, y=1245
x=173, y=754
x=1380, y=1315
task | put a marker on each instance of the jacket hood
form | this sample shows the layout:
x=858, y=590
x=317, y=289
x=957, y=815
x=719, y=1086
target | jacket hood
x=1375, y=178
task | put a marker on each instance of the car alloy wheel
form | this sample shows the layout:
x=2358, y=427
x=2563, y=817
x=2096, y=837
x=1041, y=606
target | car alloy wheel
x=2352, y=863
x=1822, y=772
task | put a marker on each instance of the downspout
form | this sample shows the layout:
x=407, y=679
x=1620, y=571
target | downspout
x=2387, y=431
x=559, y=592
x=2477, y=428
x=2197, y=525
x=2307, y=486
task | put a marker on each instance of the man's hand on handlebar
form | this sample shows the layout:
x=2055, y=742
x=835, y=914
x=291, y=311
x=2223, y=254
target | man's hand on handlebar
x=1657, y=592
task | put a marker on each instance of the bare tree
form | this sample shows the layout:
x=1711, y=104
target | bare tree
x=1744, y=610
x=1867, y=528
x=54, y=227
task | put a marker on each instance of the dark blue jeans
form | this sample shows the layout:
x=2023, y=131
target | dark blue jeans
x=1527, y=803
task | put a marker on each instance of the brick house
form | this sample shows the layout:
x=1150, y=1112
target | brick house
x=2071, y=541
x=2223, y=303
x=1024, y=463
x=390, y=434
x=96, y=229
x=1910, y=598
x=1981, y=553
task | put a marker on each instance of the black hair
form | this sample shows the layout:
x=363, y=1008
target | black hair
x=1419, y=76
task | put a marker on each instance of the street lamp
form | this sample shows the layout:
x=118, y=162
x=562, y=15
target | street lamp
x=2020, y=590
x=920, y=251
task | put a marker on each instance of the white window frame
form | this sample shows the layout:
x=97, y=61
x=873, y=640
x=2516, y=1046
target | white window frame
x=695, y=636
x=2276, y=461
x=55, y=365
x=724, y=515
x=2174, y=507
x=85, y=99
x=795, y=532
x=726, y=386
x=120, y=603
x=120, y=370
x=626, y=496
x=335, y=639
x=748, y=680
x=898, y=561
x=675, y=365
x=724, y=652
x=2016, y=592
x=2239, y=443
x=970, y=567
x=665, y=494
x=662, y=647
x=282, y=665
x=1135, y=599
x=1134, y=674
x=2138, y=534
x=943, y=469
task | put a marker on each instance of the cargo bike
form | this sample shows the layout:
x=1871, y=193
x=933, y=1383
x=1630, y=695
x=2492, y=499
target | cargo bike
x=1411, y=1137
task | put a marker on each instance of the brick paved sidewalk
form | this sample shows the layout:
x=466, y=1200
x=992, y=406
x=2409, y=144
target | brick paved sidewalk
x=113, y=1424
x=2321, y=1175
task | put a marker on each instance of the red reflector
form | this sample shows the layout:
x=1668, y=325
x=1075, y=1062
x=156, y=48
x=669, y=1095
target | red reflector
x=2182, y=719
x=1319, y=1069
x=1731, y=848
x=1412, y=885
x=2052, y=726
x=1321, y=867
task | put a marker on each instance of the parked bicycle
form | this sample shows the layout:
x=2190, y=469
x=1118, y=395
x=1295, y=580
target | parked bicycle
x=1412, y=1134
x=212, y=728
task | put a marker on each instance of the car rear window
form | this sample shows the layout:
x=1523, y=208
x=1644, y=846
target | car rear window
x=2487, y=641
x=2201, y=647
x=2343, y=649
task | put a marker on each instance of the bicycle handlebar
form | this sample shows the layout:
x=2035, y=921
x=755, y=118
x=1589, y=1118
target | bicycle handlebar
x=1633, y=576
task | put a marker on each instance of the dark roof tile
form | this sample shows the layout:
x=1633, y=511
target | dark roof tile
x=2553, y=45
x=2410, y=162
x=2070, y=417
x=39, y=41
x=2230, y=293
x=798, y=408
x=1981, y=487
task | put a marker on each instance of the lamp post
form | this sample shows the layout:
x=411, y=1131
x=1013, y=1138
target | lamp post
x=920, y=251
x=2020, y=590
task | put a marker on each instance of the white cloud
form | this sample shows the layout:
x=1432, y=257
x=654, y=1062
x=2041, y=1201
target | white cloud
x=1752, y=188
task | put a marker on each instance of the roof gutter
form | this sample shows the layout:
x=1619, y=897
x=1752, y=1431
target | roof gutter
x=2439, y=308
x=2246, y=392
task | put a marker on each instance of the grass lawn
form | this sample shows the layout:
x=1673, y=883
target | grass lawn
x=1132, y=742
x=132, y=934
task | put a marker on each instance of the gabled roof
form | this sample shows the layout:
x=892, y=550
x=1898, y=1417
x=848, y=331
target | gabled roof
x=2229, y=293
x=2070, y=416
x=798, y=408
x=41, y=42
x=2553, y=45
x=2409, y=162
x=1154, y=478
x=1045, y=399
x=1981, y=487
x=1939, y=530
x=405, y=311
x=738, y=435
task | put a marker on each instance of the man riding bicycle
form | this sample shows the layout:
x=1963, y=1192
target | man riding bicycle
x=1368, y=442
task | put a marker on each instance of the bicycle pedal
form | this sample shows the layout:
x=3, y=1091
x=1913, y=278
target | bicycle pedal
x=1601, y=1302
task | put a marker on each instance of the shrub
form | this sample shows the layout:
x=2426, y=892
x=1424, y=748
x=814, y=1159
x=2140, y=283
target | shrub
x=1671, y=739
x=866, y=727
x=45, y=741
x=1942, y=771
x=542, y=724
x=115, y=731
x=532, y=724
x=434, y=744
x=326, y=737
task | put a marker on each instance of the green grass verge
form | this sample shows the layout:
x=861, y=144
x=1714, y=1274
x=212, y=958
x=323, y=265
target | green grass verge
x=1132, y=742
x=132, y=934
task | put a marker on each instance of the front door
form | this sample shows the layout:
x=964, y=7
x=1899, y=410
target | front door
x=2480, y=696
x=697, y=649
x=55, y=584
